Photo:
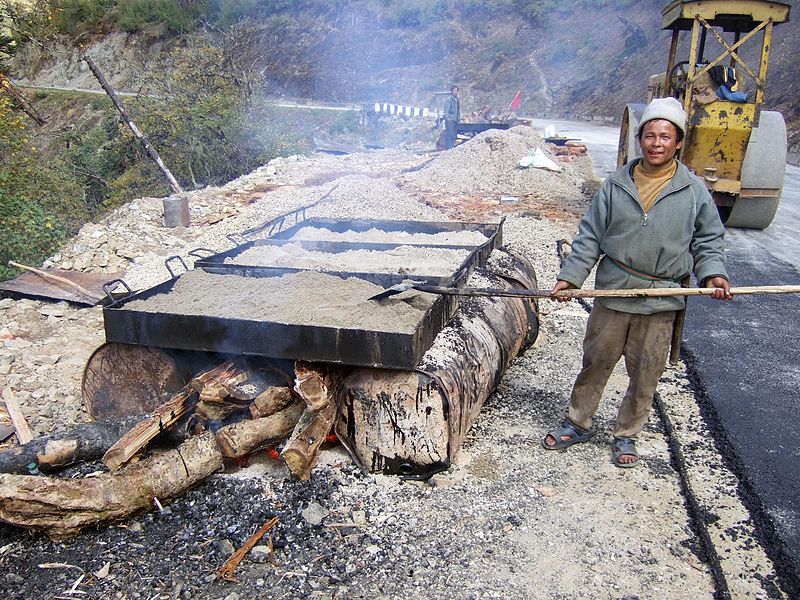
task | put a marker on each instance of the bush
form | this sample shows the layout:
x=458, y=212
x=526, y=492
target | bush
x=71, y=16
x=175, y=15
x=30, y=233
x=39, y=206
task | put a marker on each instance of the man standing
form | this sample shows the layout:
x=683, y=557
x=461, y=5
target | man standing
x=650, y=224
x=452, y=114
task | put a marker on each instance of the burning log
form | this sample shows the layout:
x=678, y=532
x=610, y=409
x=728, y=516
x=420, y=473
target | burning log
x=62, y=507
x=167, y=415
x=271, y=401
x=214, y=402
x=316, y=384
x=244, y=437
x=302, y=449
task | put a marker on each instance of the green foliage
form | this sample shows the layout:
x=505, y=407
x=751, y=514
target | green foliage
x=346, y=123
x=174, y=15
x=95, y=160
x=228, y=12
x=69, y=16
x=417, y=13
x=201, y=121
x=37, y=205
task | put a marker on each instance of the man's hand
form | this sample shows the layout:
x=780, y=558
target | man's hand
x=723, y=288
x=562, y=285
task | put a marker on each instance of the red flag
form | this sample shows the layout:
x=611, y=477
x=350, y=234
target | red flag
x=516, y=101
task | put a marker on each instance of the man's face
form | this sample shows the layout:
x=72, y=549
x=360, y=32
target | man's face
x=454, y=91
x=659, y=143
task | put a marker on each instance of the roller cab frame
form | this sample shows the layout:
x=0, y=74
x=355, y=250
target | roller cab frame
x=738, y=149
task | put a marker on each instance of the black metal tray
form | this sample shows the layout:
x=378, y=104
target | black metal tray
x=349, y=346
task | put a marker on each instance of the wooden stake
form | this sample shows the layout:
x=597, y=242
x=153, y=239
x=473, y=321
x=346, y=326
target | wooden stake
x=17, y=418
x=21, y=100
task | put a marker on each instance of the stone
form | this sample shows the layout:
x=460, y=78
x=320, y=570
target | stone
x=52, y=310
x=259, y=554
x=314, y=513
x=225, y=547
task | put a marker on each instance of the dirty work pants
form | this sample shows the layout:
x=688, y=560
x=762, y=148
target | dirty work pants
x=449, y=134
x=644, y=341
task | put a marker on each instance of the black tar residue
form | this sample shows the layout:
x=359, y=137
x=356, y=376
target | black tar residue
x=785, y=565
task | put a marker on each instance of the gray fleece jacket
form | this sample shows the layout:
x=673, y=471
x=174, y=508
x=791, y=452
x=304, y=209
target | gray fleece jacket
x=682, y=233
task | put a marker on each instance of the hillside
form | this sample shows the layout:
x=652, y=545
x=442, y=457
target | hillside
x=579, y=58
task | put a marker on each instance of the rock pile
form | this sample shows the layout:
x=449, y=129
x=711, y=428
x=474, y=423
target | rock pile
x=489, y=163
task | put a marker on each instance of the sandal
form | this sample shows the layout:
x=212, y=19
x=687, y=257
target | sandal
x=573, y=433
x=624, y=446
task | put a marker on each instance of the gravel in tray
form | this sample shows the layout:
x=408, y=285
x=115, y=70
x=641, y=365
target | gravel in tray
x=305, y=298
x=438, y=262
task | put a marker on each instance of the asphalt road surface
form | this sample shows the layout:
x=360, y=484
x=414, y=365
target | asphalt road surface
x=745, y=356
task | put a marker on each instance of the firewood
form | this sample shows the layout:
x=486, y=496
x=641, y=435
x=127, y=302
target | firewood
x=17, y=418
x=302, y=449
x=244, y=437
x=84, y=442
x=216, y=400
x=271, y=401
x=62, y=507
x=144, y=431
x=316, y=383
x=166, y=415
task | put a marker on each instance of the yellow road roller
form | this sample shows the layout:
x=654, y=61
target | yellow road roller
x=738, y=149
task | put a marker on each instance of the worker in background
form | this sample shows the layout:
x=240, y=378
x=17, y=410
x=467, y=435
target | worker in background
x=452, y=114
x=649, y=225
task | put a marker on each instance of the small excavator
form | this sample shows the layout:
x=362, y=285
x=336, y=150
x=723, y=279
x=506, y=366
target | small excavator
x=738, y=149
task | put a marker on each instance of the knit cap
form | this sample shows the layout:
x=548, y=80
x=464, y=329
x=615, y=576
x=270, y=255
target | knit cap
x=665, y=108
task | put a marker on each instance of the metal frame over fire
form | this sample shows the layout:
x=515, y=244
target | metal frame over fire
x=262, y=337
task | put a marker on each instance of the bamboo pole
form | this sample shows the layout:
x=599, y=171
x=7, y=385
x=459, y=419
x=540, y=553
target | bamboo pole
x=577, y=293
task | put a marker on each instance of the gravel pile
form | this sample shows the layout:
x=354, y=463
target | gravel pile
x=508, y=520
x=491, y=161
